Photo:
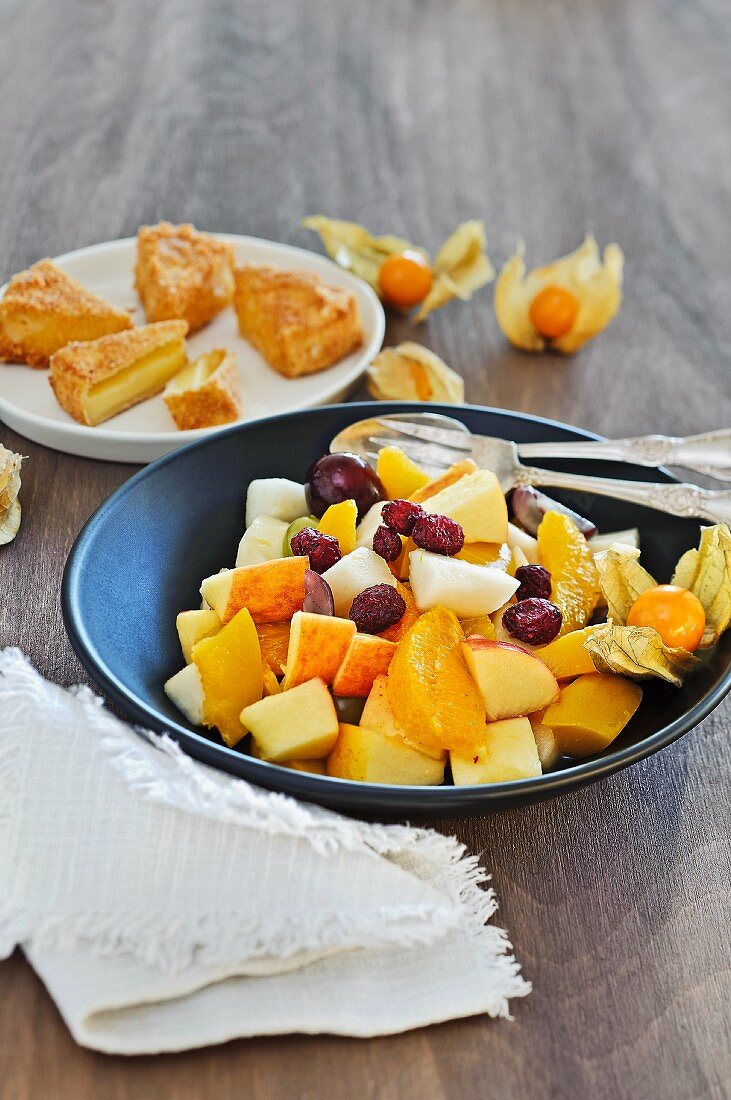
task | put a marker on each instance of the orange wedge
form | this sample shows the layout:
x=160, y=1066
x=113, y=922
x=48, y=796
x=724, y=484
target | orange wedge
x=565, y=553
x=399, y=475
x=274, y=642
x=430, y=691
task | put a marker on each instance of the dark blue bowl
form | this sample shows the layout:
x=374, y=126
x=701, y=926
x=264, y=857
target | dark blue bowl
x=141, y=558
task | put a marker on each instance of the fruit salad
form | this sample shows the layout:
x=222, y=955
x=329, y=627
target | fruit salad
x=383, y=626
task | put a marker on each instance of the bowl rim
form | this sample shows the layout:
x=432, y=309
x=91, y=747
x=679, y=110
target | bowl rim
x=329, y=789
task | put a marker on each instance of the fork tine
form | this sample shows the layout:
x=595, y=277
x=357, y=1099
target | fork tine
x=448, y=437
x=424, y=454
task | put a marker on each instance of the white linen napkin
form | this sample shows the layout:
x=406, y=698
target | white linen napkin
x=167, y=906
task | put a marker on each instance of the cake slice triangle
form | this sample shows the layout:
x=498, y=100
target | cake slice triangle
x=183, y=274
x=43, y=309
x=96, y=380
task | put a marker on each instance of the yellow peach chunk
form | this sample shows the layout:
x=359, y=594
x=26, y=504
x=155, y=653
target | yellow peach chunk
x=566, y=656
x=591, y=712
x=229, y=664
x=368, y=756
x=399, y=475
x=339, y=521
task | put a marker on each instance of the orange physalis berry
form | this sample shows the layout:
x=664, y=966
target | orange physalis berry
x=405, y=279
x=675, y=613
x=553, y=311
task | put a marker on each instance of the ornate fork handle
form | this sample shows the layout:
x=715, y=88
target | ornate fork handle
x=678, y=500
x=709, y=453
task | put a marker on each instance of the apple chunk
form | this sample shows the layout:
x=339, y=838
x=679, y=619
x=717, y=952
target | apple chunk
x=371, y=757
x=512, y=681
x=317, y=646
x=185, y=689
x=194, y=625
x=301, y=724
x=272, y=591
x=546, y=743
x=509, y=752
x=477, y=503
x=315, y=767
x=368, y=656
x=466, y=589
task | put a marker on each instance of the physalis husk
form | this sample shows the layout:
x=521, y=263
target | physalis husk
x=706, y=572
x=351, y=246
x=460, y=266
x=622, y=580
x=10, y=511
x=595, y=285
x=411, y=372
x=637, y=652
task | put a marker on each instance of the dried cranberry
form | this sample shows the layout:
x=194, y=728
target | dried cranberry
x=440, y=534
x=387, y=544
x=536, y=622
x=322, y=550
x=401, y=515
x=535, y=581
x=376, y=608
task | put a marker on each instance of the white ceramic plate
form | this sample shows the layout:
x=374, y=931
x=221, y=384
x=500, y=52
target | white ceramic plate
x=146, y=432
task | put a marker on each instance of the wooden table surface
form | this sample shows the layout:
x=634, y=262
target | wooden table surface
x=545, y=119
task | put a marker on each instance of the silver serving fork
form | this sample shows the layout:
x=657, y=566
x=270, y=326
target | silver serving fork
x=435, y=442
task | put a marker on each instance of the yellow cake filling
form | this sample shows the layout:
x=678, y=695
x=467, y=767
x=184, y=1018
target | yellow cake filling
x=140, y=380
x=198, y=372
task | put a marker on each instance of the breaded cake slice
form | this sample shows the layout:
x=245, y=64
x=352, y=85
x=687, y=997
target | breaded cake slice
x=98, y=379
x=182, y=274
x=206, y=392
x=298, y=323
x=43, y=309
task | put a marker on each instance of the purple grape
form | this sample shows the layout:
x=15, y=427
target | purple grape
x=529, y=507
x=334, y=478
x=318, y=595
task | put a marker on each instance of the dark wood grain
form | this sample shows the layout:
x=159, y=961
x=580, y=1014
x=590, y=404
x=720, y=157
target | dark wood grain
x=410, y=115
